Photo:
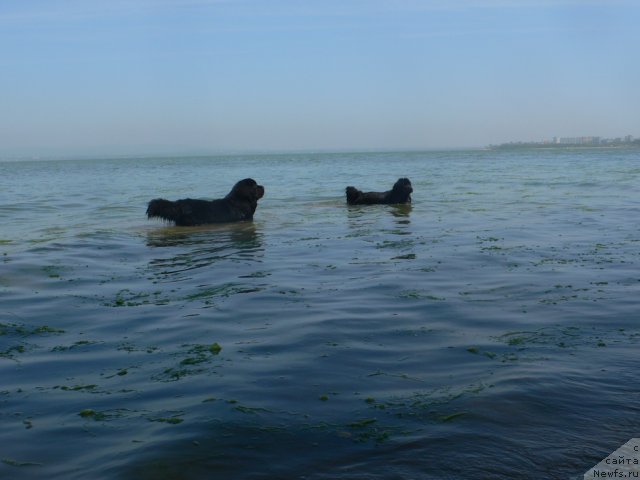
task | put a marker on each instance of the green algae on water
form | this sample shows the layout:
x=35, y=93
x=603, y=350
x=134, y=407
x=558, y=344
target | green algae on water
x=169, y=420
x=363, y=423
x=76, y=388
x=453, y=416
x=23, y=330
x=245, y=409
x=89, y=413
x=63, y=348
x=16, y=463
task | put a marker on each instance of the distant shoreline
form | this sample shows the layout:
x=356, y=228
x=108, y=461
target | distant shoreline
x=535, y=146
x=502, y=147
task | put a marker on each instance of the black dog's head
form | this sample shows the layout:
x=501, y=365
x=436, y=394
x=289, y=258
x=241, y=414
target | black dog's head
x=402, y=190
x=247, y=189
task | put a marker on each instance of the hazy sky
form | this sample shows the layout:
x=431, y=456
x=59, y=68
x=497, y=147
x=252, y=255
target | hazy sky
x=154, y=76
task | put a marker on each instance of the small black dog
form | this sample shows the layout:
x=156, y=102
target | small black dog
x=400, y=193
x=239, y=204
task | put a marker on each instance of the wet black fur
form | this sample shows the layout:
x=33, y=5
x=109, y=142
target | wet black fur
x=239, y=204
x=400, y=193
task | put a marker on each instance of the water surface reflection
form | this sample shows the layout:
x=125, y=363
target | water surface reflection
x=178, y=249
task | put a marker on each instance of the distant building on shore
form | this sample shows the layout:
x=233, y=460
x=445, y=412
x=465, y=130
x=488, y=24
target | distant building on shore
x=627, y=141
x=577, y=140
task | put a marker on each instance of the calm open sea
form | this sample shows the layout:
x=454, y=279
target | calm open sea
x=489, y=330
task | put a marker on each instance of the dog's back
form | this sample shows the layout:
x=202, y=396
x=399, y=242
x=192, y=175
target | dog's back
x=188, y=212
x=357, y=197
x=184, y=213
x=400, y=193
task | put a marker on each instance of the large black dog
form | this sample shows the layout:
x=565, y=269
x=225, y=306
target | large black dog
x=239, y=204
x=400, y=193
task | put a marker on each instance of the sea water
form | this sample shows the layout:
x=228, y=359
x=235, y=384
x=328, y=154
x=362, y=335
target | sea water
x=488, y=330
